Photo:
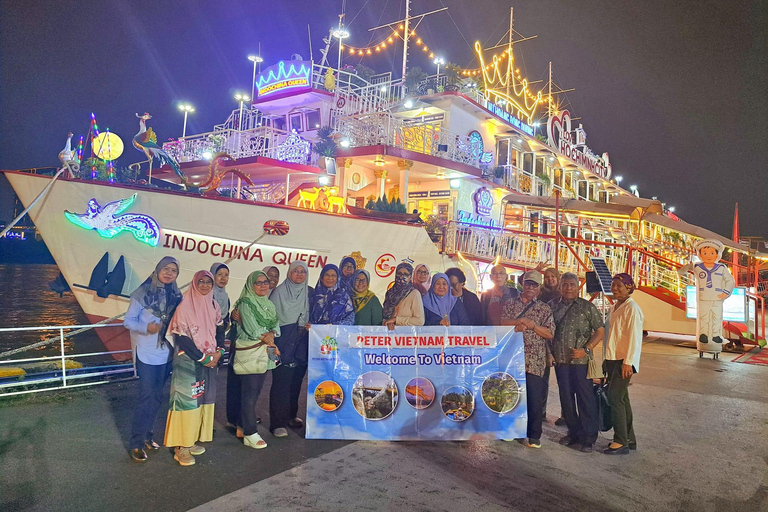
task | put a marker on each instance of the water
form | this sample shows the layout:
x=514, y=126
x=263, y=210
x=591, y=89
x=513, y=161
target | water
x=26, y=301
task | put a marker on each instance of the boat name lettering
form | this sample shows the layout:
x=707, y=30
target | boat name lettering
x=278, y=78
x=466, y=217
x=508, y=117
x=241, y=251
x=560, y=138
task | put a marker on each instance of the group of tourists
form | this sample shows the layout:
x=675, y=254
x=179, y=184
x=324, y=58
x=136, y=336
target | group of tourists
x=184, y=335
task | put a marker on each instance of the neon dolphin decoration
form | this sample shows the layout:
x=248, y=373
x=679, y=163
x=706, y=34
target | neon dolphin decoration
x=108, y=224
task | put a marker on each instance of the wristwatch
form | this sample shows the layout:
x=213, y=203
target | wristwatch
x=588, y=351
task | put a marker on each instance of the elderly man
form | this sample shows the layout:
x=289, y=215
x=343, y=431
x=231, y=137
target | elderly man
x=492, y=301
x=623, y=346
x=534, y=319
x=578, y=329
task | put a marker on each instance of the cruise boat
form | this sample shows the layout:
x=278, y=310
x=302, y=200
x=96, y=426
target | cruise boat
x=496, y=169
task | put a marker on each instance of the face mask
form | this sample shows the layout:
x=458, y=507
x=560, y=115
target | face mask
x=401, y=280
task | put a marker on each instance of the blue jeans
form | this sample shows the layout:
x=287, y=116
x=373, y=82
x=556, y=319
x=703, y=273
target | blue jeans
x=152, y=380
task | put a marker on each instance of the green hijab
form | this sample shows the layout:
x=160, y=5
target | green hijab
x=257, y=312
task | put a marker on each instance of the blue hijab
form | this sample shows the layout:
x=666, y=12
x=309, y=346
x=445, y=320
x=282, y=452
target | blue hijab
x=347, y=283
x=441, y=306
x=331, y=305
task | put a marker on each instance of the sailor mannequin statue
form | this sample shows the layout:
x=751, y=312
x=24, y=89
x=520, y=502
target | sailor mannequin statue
x=714, y=284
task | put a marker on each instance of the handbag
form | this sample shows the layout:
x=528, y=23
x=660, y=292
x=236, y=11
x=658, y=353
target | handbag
x=605, y=423
x=595, y=369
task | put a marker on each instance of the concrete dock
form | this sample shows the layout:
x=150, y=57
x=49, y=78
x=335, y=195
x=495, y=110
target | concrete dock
x=702, y=430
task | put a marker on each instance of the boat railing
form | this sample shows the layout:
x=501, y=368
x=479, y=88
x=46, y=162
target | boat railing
x=526, y=250
x=33, y=375
x=526, y=182
x=383, y=128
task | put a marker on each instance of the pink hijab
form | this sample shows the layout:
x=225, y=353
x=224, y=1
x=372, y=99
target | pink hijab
x=197, y=316
x=423, y=288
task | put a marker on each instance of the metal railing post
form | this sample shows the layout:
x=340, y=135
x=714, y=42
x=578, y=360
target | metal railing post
x=63, y=360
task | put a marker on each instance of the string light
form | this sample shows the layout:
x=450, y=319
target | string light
x=110, y=167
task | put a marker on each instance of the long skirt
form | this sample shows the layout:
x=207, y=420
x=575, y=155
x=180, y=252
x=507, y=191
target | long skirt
x=193, y=395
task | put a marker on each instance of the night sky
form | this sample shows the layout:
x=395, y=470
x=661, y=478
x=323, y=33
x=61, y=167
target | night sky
x=673, y=90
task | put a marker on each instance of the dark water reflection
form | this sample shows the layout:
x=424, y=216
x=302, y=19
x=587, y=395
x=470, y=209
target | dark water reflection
x=26, y=301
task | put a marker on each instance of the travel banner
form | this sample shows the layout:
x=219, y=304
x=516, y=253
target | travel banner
x=415, y=383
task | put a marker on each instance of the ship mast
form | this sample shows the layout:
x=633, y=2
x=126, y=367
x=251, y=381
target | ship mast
x=406, y=35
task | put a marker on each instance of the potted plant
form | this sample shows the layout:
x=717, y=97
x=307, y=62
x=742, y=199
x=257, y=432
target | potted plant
x=413, y=77
x=326, y=148
x=498, y=175
x=452, y=78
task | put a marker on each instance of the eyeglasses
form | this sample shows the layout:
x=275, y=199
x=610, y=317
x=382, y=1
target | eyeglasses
x=422, y=272
x=260, y=283
x=403, y=274
x=204, y=282
x=532, y=284
x=361, y=280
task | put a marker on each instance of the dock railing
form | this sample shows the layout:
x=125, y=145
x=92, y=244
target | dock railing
x=68, y=375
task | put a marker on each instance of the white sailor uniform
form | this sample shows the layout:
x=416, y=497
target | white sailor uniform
x=709, y=322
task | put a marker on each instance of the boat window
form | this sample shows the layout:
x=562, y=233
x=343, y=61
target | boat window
x=502, y=150
x=313, y=119
x=582, y=189
x=528, y=162
x=278, y=123
x=295, y=120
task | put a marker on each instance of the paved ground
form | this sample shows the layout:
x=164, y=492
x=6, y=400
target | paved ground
x=702, y=428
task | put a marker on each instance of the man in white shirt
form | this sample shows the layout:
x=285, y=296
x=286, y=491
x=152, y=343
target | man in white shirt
x=623, y=345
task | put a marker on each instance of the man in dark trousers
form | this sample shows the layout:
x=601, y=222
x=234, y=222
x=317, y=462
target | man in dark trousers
x=578, y=329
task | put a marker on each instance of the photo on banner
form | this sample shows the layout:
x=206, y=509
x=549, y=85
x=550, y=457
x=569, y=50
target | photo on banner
x=457, y=383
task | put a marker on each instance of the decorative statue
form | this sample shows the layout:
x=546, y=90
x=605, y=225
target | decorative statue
x=714, y=284
x=68, y=159
x=146, y=142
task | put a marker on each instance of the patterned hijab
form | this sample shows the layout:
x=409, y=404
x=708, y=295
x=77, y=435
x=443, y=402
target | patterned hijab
x=291, y=299
x=161, y=299
x=348, y=283
x=400, y=290
x=266, y=269
x=423, y=287
x=197, y=316
x=441, y=306
x=329, y=305
x=360, y=300
x=219, y=292
x=255, y=311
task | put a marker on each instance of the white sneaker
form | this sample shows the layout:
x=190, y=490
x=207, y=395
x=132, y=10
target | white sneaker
x=280, y=432
x=254, y=441
x=183, y=456
x=197, y=450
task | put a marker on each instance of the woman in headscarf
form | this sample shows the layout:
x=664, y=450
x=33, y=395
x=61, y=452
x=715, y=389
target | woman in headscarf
x=220, y=280
x=348, y=267
x=422, y=279
x=330, y=303
x=256, y=352
x=402, y=304
x=151, y=308
x=198, y=333
x=441, y=307
x=273, y=273
x=366, y=303
x=291, y=299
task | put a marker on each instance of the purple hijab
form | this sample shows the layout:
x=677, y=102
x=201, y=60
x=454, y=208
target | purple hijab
x=441, y=306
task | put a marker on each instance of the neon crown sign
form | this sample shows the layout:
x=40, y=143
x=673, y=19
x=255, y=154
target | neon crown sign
x=284, y=76
x=504, y=86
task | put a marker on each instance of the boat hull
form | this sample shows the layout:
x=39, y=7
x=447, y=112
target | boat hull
x=199, y=231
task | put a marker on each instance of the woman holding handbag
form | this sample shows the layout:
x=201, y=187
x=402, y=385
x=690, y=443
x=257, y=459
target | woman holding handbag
x=291, y=300
x=255, y=350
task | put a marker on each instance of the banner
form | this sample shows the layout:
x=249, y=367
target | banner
x=415, y=383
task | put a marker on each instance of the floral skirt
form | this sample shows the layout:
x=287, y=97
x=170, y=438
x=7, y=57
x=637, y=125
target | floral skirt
x=193, y=395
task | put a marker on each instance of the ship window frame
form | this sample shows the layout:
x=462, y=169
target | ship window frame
x=298, y=116
x=308, y=123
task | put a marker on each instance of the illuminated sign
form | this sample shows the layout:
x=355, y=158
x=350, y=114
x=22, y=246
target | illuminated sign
x=292, y=75
x=19, y=235
x=439, y=193
x=476, y=141
x=465, y=217
x=507, y=117
x=505, y=87
x=561, y=139
x=107, y=223
x=483, y=201
x=734, y=307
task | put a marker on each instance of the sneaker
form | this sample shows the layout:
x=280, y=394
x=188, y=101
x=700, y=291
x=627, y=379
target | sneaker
x=183, y=457
x=197, y=450
x=139, y=455
x=240, y=434
x=151, y=445
x=560, y=422
x=254, y=441
x=568, y=441
x=296, y=423
x=280, y=432
x=534, y=443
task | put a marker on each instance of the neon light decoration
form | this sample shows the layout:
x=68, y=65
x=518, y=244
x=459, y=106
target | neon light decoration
x=294, y=149
x=107, y=223
x=506, y=88
x=483, y=201
x=284, y=76
x=561, y=139
x=476, y=140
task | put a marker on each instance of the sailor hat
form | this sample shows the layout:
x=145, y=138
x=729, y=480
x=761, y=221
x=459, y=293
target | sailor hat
x=715, y=244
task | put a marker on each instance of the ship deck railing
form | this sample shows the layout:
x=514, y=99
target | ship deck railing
x=384, y=128
x=18, y=376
